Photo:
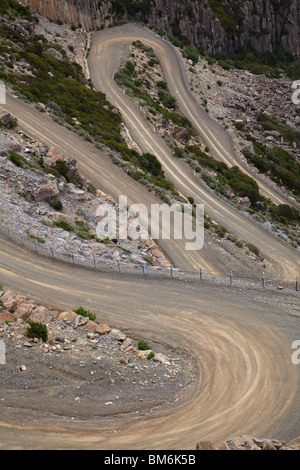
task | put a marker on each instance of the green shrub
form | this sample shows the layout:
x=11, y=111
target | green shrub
x=254, y=249
x=153, y=61
x=83, y=232
x=13, y=9
x=35, y=237
x=220, y=231
x=37, y=330
x=191, y=54
x=85, y=313
x=162, y=84
x=281, y=165
x=286, y=213
x=148, y=259
x=150, y=355
x=17, y=159
x=167, y=100
x=56, y=204
x=151, y=163
x=64, y=224
x=143, y=346
x=271, y=123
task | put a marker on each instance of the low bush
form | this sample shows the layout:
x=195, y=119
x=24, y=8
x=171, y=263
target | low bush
x=17, y=159
x=254, y=249
x=85, y=313
x=56, y=204
x=143, y=345
x=61, y=222
x=36, y=237
x=280, y=165
x=37, y=330
x=285, y=214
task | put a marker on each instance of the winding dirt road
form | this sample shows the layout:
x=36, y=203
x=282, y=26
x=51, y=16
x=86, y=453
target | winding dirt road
x=111, y=48
x=239, y=344
x=99, y=169
x=241, y=350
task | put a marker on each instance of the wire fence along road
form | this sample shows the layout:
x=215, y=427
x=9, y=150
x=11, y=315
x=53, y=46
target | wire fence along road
x=146, y=269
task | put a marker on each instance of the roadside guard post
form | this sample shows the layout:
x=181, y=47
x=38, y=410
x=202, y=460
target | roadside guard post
x=2, y=93
x=2, y=353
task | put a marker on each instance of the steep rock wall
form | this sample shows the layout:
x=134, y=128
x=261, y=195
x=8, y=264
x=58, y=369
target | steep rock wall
x=217, y=26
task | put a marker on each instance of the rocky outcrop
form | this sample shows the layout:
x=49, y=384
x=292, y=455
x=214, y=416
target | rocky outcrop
x=36, y=196
x=89, y=14
x=46, y=191
x=7, y=120
x=18, y=309
x=218, y=30
x=246, y=442
x=21, y=26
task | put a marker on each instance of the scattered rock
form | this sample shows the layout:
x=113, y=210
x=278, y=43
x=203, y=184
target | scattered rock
x=205, y=445
x=117, y=334
x=246, y=442
x=68, y=317
x=8, y=121
x=102, y=329
x=159, y=357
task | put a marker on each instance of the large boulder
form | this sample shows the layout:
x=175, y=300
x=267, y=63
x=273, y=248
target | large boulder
x=54, y=107
x=117, y=334
x=55, y=54
x=52, y=156
x=41, y=315
x=102, y=329
x=23, y=310
x=7, y=317
x=10, y=304
x=24, y=27
x=8, y=121
x=67, y=317
x=46, y=191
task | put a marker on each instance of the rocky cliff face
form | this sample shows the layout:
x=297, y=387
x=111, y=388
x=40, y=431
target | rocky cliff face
x=217, y=26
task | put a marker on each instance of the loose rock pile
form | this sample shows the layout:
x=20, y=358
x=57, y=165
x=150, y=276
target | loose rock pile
x=18, y=310
x=241, y=97
x=28, y=194
x=84, y=368
x=246, y=442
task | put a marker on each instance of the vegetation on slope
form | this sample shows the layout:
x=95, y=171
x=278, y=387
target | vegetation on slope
x=51, y=79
